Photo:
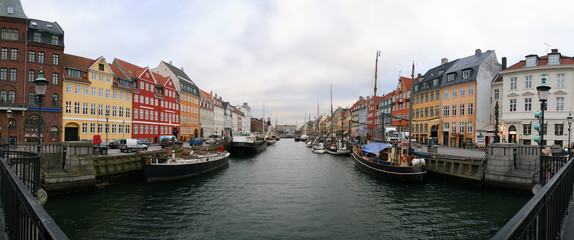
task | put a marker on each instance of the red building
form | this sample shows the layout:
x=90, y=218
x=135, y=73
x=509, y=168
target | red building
x=402, y=106
x=169, y=117
x=373, y=112
x=26, y=47
x=147, y=97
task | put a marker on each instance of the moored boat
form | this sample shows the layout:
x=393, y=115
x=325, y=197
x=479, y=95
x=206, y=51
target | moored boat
x=245, y=144
x=319, y=148
x=390, y=162
x=339, y=148
x=186, y=165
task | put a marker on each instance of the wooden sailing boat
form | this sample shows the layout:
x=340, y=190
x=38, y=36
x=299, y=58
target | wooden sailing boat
x=333, y=145
x=389, y=161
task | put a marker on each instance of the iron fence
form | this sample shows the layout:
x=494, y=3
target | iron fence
x=542, y=217
x=27, y=166
x=24, y=217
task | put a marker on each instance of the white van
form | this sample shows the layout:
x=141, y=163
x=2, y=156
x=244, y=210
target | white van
x=130, y=144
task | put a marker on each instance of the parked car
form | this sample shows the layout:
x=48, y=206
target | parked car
x=166, y=142
x=210, y=141
x=114, y=144
x=196, y=142
x=131, y=144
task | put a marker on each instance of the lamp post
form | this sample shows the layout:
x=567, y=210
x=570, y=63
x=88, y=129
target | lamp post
x=9, y=117
x=569, y=128
x=107, y=126
x=124, y=129
x=543, y=92
x=40, y=84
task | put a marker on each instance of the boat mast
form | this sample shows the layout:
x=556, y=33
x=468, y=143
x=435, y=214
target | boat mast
x=411, y=110
x=332, y=133
x=374, y=96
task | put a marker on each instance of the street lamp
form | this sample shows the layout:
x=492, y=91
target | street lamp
x=107, y=126
x=9, y=117
x=543, y=92
x=41, y=84
x=569, y=128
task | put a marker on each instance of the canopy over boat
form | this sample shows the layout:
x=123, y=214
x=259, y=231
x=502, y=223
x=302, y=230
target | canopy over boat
x=375, y=147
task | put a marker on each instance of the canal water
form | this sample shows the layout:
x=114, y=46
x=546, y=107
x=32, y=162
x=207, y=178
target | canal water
x=286, y=192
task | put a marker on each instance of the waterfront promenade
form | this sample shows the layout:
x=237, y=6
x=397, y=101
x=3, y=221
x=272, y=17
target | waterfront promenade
x=454, y=151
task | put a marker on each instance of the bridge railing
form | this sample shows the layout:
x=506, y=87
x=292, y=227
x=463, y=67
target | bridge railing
x=27, y=166
x=542, y=217
x=24, y=217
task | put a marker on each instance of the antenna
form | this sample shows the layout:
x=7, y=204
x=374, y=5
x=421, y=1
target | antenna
x=547, y=46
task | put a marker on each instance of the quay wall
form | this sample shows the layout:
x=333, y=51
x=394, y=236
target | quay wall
x=512, y=166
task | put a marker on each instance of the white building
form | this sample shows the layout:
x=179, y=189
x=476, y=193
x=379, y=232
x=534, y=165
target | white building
x=520, y=98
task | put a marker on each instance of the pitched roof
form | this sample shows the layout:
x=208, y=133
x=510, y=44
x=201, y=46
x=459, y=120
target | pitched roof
x=542, y=61
x=472, y=63
x=179, y=73
x=128, y=68
x=73, y=61
x=12, y=8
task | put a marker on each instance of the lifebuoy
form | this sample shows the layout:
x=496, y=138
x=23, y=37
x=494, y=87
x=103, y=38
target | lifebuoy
x=404, y=158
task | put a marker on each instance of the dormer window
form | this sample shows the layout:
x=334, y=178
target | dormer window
x=531, y=61
x=435, y=82
x=450, y=77
x=440, y=72
x=466, y=73
x=554, y=59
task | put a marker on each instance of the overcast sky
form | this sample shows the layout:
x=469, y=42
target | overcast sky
x=285, y=54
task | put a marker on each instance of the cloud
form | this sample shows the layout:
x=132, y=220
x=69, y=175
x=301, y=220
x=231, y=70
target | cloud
x=287, y=53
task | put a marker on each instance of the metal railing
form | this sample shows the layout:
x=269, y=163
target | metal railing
x=24, y=217
x=542, y=217
x=26, y=165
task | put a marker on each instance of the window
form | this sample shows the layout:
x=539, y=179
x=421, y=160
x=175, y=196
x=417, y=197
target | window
x=527, y=129
x=453, y=127
x=437, y=109
x=560, y=80
x=55, y=40
x=55, y=100
x=4, y=55
x=100, y=109
x=55, y=78
x=56, y=59
x=466, y=73
x=470, y=109
x=101, y=67
x=100, y=128
x=437, y=95
x=461, y=107
x=121, y=112
x=513, y=105
x=93, y=109
x=3, y=97
x=114, y=94
x=31, y=75
x=454, y=93
x=114, y=111
x=136, y=113
x=135, y=129
x=37, y=37
x=76, y=108
x=107, y=93
x=93, y=91
x=426, y=97
x=85, y=108
x=470, y=90
x=100, y=92
x=558, y=129
x=86, y=90
x=513, y=83
x=554, y=59
x=128, y=113
x=496, y=93
x=3, y=74
x=531, y=61
x=528, y=82
x=40, y=57
x=450, y=77
x=77, y=89
x=92, y=127
x=14, y=55
x=461, y=127
x=462, y=91
x=73, y=73
x=446, y=94
x=445, y=112
x=469, y=127
x=68, y=107
x=31, y=99
x=31, y=56
x=560, y=104
x=11, y=97
x=453, y=110
x=84, y=127
x=114, y=128
x=68, y=88
x=527, y=104
x=127, y=128
x=121, y=96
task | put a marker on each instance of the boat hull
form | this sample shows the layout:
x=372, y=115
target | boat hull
x=171, y=172
x=339, y=152
x=387, y=171
x=244, y=148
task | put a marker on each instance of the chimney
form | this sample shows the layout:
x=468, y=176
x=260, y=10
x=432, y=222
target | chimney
x=170, y=63
x=443, y=61
x=503, y=63
x=555, y=50
x=182, y=69
x=419, y=76
x=477, y=51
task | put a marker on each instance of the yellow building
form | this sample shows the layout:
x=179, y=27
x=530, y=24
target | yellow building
x=95, y=101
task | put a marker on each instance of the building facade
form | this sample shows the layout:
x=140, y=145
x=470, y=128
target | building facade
x=206, y=115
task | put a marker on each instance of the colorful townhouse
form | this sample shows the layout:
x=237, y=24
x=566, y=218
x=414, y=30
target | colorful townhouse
x=145, y=101
x=206, y=115
x=466, y=88
x=427, y=106
x=359, y=118
x=519, y=99
x=401, y=108
x=94, y=103
x=29, y=48
x=189, y=99
x=169, y=106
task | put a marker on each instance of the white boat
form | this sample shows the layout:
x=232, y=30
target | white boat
x=319, y=148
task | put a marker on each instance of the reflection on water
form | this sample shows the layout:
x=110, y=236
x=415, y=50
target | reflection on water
x=286, y=192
